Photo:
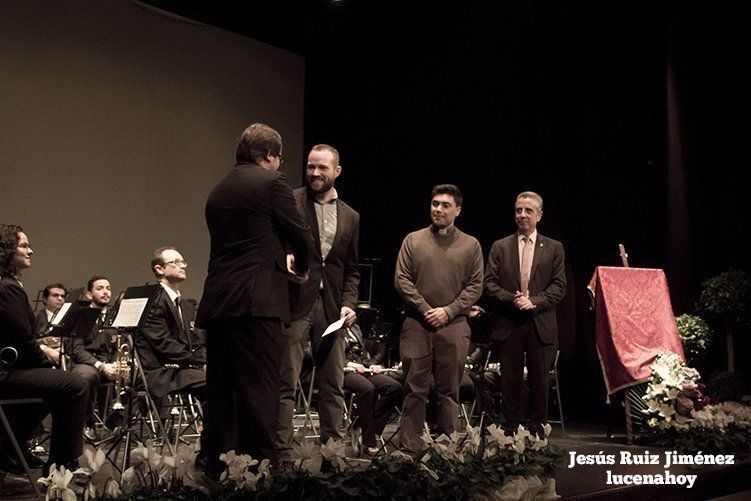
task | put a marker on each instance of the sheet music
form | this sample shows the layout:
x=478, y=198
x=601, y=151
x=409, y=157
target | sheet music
x=130, y=312
x=60, y=314
x=334, y=327
x=368, y=370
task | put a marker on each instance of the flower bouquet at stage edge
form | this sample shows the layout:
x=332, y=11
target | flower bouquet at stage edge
x=680, y=416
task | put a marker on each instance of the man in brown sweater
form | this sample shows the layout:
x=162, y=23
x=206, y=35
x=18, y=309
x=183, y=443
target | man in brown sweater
x=439, y=275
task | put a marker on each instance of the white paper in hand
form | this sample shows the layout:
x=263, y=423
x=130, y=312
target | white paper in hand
x=334, y=327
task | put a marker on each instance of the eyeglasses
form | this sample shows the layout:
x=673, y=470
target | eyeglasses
x=177, y=262
x=57, y=295
x=281, y=159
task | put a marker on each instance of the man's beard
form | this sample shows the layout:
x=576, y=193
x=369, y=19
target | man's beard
x=326, y=186
x=100, y=304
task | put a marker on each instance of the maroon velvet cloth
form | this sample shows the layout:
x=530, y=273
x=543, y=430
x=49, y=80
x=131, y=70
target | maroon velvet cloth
x=634, y=322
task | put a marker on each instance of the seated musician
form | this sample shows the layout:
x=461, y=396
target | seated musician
x=486, y=378
x=173, y=354
x=376, y=394
x=53, y=298
x=485, y=372
x=92, y=353
x=31, y=374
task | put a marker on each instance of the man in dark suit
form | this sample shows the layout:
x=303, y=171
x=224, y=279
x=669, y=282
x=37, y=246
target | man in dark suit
x=92, y=352
x=330, y=294
x=524, y=281
x=252, y=220
x=173, y=355
x=53, y=297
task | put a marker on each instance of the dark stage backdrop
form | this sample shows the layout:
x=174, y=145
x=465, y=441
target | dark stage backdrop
x=630, y=118
x=117, y=120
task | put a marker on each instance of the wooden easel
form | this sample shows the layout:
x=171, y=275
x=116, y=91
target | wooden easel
x=627, y=404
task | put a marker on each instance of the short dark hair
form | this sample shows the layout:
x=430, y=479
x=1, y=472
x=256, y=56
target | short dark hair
x=90, y=283
x=157, y=259
x=329, y=148
x=46, y=291
x=8, y=243
x=257, y=141
x=448, y=189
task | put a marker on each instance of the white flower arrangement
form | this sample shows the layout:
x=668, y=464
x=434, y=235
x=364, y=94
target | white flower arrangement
x=675, y=402
x=672, y=393
x=529, y=456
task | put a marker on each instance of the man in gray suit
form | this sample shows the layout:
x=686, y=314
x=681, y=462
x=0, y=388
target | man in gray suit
x=330, y=294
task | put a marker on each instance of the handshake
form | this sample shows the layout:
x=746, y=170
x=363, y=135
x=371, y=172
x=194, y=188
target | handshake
x=292, y=274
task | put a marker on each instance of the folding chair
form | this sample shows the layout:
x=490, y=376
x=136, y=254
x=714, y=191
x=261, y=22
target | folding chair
x=13, y=441
x=185, y=419
x=307, y=400
x=553, y=385
x=385, y=442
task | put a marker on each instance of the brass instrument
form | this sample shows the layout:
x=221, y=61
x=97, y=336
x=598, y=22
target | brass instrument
x=53, y=342
x=122, y=370
x=8, y=357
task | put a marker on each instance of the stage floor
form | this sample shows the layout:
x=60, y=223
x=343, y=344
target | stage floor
x=590, y=481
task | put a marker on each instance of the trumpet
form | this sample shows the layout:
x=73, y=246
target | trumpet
x=122, y=369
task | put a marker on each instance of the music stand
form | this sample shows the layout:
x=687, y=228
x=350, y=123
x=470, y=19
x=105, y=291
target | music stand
x=73, y=319
x=131, y=312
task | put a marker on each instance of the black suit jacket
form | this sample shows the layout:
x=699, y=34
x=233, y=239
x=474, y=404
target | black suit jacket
x=164, y=340
x=17, y=326
x=547, y=286
x=339, y=270
x=252, y=220
x=95, y=345
x=41, y=323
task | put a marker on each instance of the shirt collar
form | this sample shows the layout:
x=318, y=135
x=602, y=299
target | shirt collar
x=334, y=197
x=532, y=237
x=443, y=232
x=172, y=294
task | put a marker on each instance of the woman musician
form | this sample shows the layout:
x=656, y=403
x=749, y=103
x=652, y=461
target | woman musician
x=30, y=374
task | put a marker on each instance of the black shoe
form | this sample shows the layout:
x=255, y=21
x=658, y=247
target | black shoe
x=114, y=419
x=34, y=461
x=11, y=464
x=89, y=433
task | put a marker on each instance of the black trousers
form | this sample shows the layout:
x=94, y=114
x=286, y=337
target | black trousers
x=242, y=383
x=511, y=353
x=375, y=398
x=94, y=378
x=64, y=396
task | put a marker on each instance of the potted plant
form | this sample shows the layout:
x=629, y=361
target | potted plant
x=727, y=299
